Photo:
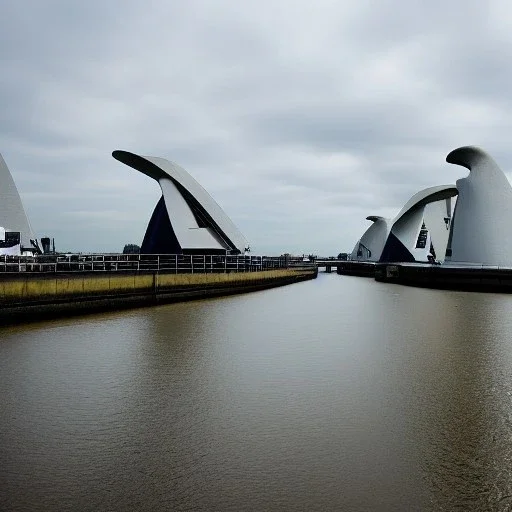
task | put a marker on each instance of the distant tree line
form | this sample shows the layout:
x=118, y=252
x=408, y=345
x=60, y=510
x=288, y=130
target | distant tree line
x=131, y=249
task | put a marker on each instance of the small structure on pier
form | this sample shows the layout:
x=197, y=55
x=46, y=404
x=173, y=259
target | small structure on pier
x=186, y=219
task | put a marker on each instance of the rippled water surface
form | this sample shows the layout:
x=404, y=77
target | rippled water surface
x=334, y=394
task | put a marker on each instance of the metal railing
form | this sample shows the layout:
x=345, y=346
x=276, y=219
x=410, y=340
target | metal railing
x=168, y=263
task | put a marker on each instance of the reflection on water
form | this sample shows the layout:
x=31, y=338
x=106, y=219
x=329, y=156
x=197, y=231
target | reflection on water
x=334, y=394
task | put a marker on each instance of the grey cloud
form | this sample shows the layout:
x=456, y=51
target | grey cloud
x=299, y=119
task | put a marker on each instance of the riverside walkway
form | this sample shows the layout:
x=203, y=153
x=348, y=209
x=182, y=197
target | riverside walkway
x=55, y=285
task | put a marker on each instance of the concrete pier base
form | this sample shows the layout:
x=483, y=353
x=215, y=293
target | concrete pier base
x=356, y=268
x=465, y=277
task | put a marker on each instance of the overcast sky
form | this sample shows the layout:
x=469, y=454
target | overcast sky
x=299, y=117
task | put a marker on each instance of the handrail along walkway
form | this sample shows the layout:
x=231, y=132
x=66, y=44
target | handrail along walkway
x=168, y=263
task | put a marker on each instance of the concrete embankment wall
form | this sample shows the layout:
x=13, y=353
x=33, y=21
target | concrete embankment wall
x=483, y=279
x=32, y=296
x=356, y=268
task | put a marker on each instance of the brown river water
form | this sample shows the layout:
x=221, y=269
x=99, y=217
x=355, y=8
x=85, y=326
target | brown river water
x=339, y=393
